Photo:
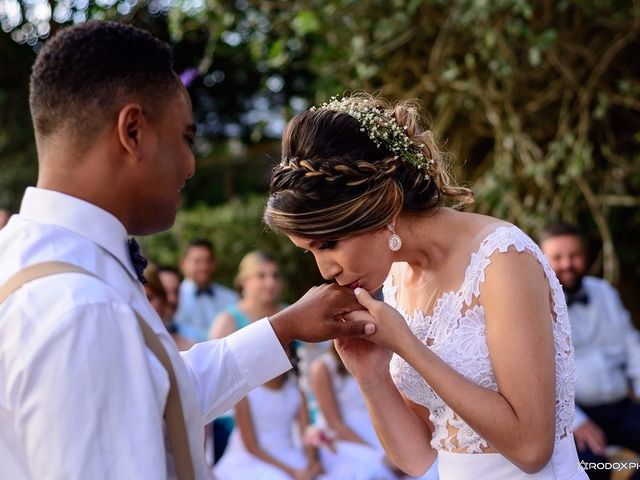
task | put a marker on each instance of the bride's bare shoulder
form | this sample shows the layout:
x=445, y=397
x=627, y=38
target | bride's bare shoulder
x=477, y=227
x=481, y=222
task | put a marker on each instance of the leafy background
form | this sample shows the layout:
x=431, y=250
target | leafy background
x=538, y=103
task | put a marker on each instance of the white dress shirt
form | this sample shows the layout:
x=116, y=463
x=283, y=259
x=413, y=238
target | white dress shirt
x=196, y=312
x=607, y=347
x=81, y=397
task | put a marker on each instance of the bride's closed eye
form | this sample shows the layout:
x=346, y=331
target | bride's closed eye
x=324, y=245
x=327, y=245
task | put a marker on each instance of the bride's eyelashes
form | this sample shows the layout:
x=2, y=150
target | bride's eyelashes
x=327, y=245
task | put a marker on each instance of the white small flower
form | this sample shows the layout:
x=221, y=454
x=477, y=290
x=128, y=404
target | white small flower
x=382, y=129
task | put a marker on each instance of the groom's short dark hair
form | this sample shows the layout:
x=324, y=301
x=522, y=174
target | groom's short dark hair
x=86, y=73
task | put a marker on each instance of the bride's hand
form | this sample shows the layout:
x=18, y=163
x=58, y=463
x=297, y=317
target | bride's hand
x=392, y=331
x=363, y=359
x=320, y=315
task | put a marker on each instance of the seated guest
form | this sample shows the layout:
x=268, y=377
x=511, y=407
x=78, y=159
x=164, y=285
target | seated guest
x=260, y=284
x=356, y=452
x=157, y=297
x=200, y=300
x=263, y=446
x=170, y=278
x=607, y=352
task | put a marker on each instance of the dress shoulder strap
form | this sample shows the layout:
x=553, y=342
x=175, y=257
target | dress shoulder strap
x=173, y=413
x=239, y=317
x=500, y=240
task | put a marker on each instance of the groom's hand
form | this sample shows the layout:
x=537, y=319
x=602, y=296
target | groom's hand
x=317, y=316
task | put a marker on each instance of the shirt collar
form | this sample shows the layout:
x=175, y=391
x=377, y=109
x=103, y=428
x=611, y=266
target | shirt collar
x=193, y=289
x=80, y=217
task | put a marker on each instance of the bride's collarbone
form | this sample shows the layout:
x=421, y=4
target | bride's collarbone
x=422, y=300
x=423, y=292
x=434, y=282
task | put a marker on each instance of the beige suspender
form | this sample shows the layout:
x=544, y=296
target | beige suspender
x=173, y=414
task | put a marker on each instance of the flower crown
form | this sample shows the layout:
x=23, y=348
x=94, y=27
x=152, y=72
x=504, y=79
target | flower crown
x=383, y=129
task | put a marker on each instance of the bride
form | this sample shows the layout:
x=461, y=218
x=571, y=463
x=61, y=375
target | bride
x=472, y=360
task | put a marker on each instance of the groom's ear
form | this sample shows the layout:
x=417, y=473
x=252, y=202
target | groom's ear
x=130, y=129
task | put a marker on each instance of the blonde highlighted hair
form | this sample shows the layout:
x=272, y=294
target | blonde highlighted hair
x=250, y=264
x=335, y=181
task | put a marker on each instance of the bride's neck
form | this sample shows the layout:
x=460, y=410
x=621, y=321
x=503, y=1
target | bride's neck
x=428, y=241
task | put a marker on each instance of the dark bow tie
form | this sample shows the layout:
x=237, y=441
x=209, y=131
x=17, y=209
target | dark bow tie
x=579, y=296
x=205, y=291
x=139, y=262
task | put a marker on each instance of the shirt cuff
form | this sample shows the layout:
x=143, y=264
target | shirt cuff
x=258, y=353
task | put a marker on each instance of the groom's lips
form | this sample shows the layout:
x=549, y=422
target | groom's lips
x=354, y=285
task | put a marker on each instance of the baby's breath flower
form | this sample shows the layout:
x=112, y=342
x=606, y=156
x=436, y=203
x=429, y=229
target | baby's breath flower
x=382, y=128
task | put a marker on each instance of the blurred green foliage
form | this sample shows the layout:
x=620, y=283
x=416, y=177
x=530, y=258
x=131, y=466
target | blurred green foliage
x=17, y=149
x=537, y=101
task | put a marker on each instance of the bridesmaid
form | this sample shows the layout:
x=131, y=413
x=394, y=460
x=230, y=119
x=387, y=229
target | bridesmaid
x=260, y=284
x=262, y=446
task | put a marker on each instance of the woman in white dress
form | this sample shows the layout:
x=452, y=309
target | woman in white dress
x=474, y=364
x=259, y=282
x=262, y=446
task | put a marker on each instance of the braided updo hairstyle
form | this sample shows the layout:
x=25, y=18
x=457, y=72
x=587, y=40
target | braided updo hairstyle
x=334, y=181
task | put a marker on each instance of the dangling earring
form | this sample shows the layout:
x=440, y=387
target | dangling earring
x=395, y=242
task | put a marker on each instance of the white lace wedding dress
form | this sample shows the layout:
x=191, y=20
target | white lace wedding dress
x=455, y=331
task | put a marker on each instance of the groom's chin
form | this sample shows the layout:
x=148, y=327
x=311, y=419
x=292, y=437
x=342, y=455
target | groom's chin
x=157, y=223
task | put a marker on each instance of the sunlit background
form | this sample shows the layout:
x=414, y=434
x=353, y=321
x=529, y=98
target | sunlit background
x=537, y=101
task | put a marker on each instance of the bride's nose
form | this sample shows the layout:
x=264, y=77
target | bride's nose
x=328, y=269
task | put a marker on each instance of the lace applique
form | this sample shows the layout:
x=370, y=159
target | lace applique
x=456, y=332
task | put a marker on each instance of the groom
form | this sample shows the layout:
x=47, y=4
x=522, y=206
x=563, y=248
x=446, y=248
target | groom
x=87, y=369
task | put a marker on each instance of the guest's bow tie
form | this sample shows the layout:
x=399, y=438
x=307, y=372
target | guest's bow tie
x=205, y=291
x=139, y=262
x=577, y=297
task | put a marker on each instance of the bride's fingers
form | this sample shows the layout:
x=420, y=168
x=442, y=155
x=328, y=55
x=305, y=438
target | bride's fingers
x=365, y=299
x=352, y=328
x=358, y=315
